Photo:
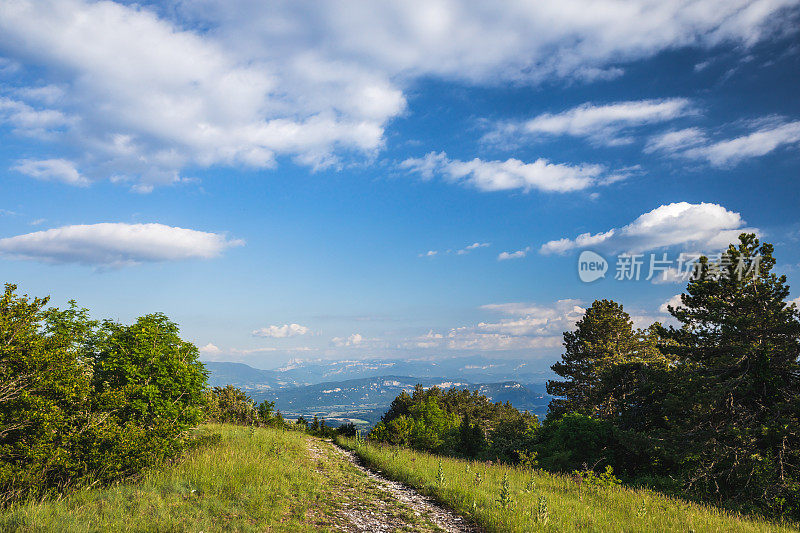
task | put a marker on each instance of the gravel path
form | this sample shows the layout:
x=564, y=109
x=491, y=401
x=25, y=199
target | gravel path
x=441, y=518
x=379, y=505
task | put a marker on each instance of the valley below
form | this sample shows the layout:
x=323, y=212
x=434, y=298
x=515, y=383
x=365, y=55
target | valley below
x=360, y=391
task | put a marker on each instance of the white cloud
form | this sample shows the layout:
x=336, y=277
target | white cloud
x=768, y=134
x=473, y=246
x=519, y=254
x=705, y=225
x=676, y=140
x=531, y=319
x=153, y=97
x=30, y=121
x=115, y=244
x=507, y=175
x=673, y=274
x=462, y=251
x=529, y=326
x=755, y=144
x=282, y=332
x=481, y=42
x=144, y=95
x=51, y=170
x=355, y=339
x=605, y=123
x=211, y=352
x=209, y=349
x=674, y=301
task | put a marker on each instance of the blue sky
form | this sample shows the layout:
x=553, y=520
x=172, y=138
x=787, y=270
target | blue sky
x=396, y=179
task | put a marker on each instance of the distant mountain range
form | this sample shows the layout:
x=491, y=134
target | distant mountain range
x=474, y=369
x=361, y=391
x=366, y=399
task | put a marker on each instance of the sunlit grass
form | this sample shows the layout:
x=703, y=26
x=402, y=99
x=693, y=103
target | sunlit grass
x=545, y=502
x=252, y=480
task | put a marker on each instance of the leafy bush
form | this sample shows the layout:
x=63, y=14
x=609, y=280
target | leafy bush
x=575, y=440
x=83, y=401
x=229, y=405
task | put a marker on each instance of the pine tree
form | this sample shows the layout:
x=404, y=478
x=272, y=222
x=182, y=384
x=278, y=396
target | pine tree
x=603, y=339
x=739, y=423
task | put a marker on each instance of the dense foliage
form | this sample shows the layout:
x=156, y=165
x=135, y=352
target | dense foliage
x=713, y=404
x=456, y=422
x=86, y=401
x=229, y=405
x=710, y=408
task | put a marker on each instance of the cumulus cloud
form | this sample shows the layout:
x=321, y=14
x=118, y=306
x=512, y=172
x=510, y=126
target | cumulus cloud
x=603, y=124
x=30, y=121
x=480, y=42
x=209, y=349
x=146, y=92
x=473, y=246
x=519, y=254
x=282, y=332
x=60, y=170
x=674, y=301
x=356, y=339
x=532, y=319
x=705, y=225
x=525, y=326
x=153, y=97
x=115, y=244
x=506, y=175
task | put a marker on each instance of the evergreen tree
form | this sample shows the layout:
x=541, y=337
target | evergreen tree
x=739, y=423
x=603, y=339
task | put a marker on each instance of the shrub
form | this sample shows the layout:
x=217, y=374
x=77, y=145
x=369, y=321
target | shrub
x=44, y=399
x=574, y=441
x=82, y=401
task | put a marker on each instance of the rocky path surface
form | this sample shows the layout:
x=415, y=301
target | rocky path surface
x=382, y=505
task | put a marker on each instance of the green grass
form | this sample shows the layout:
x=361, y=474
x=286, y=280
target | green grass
x=474, y=489
x=253, y=480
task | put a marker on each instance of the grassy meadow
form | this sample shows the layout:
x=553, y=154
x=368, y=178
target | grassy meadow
x=539, y=501
x=252, y=480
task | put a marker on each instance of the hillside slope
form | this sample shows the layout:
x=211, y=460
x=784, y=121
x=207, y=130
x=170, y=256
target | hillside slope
x=506, y=498
x=261, y=479
x=257, y=479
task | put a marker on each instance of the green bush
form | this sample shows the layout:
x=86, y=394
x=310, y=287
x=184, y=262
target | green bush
x=457, y=422
x=83, y=401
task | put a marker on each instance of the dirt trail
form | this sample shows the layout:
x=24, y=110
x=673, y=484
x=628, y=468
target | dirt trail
x=392, y=506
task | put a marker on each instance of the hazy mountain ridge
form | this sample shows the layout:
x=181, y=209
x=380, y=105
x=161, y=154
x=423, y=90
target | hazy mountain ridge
x=475, y=369
x=364, y=399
